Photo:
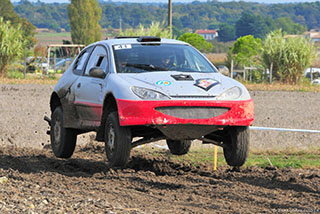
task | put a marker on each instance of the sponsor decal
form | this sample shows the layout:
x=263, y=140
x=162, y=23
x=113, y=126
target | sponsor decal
x=206, y=84
x=163, y=82
x=125, y=46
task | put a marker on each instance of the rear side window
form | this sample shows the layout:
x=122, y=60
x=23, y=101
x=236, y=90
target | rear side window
x=81, y=61
x=98, y=58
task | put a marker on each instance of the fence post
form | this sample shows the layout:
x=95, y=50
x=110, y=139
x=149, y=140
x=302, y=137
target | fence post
x=25, y=66
x=311, y=77
x=270, y=72
x=231, y=69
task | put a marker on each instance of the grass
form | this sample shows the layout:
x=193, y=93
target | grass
x=46, y=38
x=303, y=87
x=16, y=77
x=279, y=159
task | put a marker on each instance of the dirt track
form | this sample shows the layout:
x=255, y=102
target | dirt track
x=38, y=182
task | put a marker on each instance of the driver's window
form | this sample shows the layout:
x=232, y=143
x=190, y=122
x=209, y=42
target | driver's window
x=98, y=58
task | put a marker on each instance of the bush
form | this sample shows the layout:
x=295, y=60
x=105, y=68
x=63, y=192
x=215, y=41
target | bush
x=11, y=44
x=290, y=56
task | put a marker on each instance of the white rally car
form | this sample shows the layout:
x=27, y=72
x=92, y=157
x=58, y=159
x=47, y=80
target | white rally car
x=148, y=88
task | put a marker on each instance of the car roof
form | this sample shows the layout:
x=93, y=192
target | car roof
x=119, y=41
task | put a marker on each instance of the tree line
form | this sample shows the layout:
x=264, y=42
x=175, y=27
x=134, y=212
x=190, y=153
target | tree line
x=186, y=17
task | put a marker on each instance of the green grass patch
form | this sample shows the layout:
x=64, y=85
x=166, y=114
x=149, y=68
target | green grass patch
x=53, y=34
x=279, y=159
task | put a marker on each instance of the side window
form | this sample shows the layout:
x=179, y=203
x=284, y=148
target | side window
x=99, y=59
x=81, y=61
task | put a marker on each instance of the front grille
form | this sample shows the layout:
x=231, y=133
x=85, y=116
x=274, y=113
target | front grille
x=192, y=112
x=192, y=97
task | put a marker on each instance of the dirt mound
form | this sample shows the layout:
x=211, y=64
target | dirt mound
x=38, y=182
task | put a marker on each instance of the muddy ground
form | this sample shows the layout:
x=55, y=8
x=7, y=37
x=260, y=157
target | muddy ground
x=32, y=180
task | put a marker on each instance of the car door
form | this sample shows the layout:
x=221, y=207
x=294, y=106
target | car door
x=70, y=115
x=89, y=90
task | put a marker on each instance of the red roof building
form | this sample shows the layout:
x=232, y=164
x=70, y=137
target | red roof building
x=207, y=34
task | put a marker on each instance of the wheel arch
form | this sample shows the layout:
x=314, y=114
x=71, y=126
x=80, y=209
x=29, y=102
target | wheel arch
x=54, y=101
x=109, y=105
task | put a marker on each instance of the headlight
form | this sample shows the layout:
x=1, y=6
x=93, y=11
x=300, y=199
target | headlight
x=147, y=94
x=230, y=94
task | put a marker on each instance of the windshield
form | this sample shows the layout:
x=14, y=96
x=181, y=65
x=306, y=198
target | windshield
x=137, y=58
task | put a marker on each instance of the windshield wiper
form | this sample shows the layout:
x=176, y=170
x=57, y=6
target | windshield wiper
x=147, y=67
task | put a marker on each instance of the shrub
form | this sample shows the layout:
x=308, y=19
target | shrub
x=290, y=56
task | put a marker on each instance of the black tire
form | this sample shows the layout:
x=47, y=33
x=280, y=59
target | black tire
x=236, y=145
x=179, y=147
x=117, y=141
x=63, y=140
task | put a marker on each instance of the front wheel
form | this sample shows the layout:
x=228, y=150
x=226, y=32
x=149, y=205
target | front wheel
x=63, y=140
x=117, y=141
x=236, y=145
x=179, y=147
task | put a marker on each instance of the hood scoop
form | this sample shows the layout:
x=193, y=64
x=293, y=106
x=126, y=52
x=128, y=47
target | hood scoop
x=182, y=77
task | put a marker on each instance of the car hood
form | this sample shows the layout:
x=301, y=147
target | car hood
x=181, y=84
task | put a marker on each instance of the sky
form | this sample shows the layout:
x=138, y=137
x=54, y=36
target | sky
x=164, y=1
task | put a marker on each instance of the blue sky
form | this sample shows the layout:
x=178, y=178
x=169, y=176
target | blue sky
x=164, y=1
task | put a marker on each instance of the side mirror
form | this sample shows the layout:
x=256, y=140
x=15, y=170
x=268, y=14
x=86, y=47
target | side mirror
x=97, y=72
x=223, y=70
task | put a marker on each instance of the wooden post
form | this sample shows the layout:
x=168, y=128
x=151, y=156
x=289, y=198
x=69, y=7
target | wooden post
x=311, y=76
x=270, y=72
x=25, y=66
x=49, y=49
x=170, y=16
x=231, y=70
x=244, y=74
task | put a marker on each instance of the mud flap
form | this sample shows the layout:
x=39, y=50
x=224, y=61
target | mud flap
x=49, y=123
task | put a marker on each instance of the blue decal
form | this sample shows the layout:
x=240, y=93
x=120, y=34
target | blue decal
x=163, y=82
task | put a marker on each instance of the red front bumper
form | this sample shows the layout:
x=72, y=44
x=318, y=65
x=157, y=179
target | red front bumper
x=136, y=112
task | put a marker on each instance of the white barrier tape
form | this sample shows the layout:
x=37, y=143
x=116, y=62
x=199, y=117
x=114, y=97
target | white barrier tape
x=256, y=128
x=282, y=129
x=156, y=145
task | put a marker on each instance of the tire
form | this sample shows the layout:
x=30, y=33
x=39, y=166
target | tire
x=63, y=140
x=179, y=147
x=236, y=145
x=117, y=141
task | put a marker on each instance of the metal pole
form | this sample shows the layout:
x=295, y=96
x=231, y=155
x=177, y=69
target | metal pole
x=170, y=16
x=311, y=77
x=55, y=62
x=215, y=158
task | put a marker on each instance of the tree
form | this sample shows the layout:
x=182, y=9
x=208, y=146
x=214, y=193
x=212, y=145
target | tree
x=227, y=33
x=290, y=56
x=155, y=29
x=246, y=50
x=8, y=14
x=84, y=16
x=255, y=25
x=288, y=26
x=12, y=44
x=196, y=41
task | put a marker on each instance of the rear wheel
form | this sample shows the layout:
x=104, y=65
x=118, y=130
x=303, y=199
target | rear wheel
x=63, y=140
x=117, y=141
x=179, y=147
x=236, y=145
